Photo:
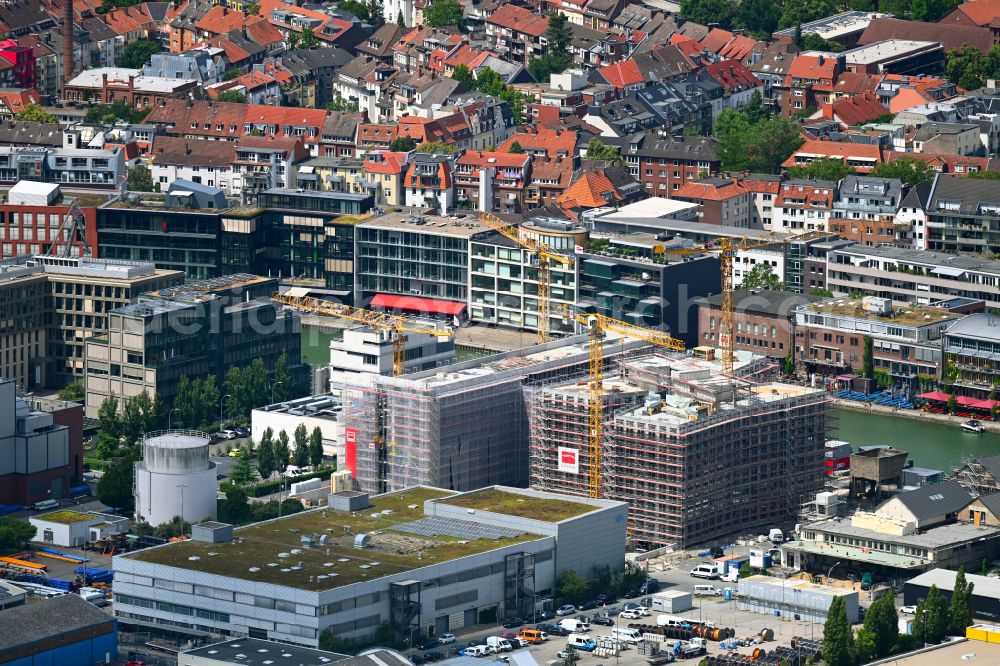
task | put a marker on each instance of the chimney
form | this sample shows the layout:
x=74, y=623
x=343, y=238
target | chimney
x=67, y=43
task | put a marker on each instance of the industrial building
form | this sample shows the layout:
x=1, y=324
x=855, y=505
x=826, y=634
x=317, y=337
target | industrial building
x=175, y=478
x=316, y=411
x=256, y=652
x=49, y=305
x=73, y=529
x=59, y=630
x=694, y=460
x=198, y=329
x=423, y=559
x=460, y=427
x=985, y=593
x=794, y=598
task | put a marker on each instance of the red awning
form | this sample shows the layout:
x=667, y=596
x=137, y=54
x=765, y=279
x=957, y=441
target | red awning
x=935, y=395
x=975, y=402
x=414, y=304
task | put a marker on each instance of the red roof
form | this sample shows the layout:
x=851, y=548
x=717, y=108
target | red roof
x=384, y=162
x=481, y=158
x=733, y=75
x=855, y=110
x=519, y=19
x=220, y=20
x=414, y=304
x=820, y=67
x=623, y=74
x=836, y=150
x=740, y=47
x=980, y=12
x=710, y=191
x=553, y=142
x=716, y=39
x=935, y=395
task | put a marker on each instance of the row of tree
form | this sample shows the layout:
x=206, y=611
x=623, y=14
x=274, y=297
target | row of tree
x=274, y=455
x=935, y=619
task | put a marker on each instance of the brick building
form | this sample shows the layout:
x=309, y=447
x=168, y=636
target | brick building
x=723, y=201
x=111, y=84
x=764, y=320
x=664, y=164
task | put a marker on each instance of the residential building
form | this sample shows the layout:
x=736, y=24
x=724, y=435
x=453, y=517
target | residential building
x=723, y=201
x=84, y=167
x=665, y=164
x=969, y=346
x=811, y=77
x=628, y=281
x=906, y=342
x=804, y=204
x=52, y=304
x=492, y=181
x=911, y=276
x=194, y=330
x=20, y=70
x=863, y=157
x=510, y=559
x=947, y=139
x=429, y=182
x=864, y=209
x=764, y=321
x=962, y=216
x=29, y=228
x=516, y=34
x=204, y=64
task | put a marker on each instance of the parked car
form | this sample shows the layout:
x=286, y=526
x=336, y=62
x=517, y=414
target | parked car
x=568, y=609
x=227, y=434
x=908, y=610
x=605, y=599
x=445, y=639
x=630, y=615
x=545, y=626
x=416, y=659
x=603, y=620
x=515, y=622
x=590, y=604
x=241, y=431
x=237, y=453
x=519, y=642
x=559, y=631
x=428, y=645
x=630, y=606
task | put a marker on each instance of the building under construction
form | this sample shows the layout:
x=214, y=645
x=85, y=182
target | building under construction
x=694, y=463
x=460, y=427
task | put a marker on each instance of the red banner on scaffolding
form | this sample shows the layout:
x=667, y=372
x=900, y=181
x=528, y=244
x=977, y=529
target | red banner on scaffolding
x=351, y=450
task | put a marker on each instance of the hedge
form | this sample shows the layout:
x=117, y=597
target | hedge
x=269, y=487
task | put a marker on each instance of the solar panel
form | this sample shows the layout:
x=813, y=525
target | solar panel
x=462, y=529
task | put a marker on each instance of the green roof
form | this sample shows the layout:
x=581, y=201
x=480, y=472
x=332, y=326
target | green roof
x=524, y=506
x=65, y=517
x=390, y=551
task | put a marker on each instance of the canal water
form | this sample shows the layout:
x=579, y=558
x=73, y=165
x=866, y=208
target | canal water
x=931, y=444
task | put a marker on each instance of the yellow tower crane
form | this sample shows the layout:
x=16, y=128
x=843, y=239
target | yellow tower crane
x=397, y=326
x=545, y=259
x=597, y=325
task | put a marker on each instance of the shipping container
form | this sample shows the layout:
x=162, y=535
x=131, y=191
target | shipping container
x=674, y=601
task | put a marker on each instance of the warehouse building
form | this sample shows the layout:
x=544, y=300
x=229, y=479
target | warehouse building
x=985, y=593
x=255, y=652
x=422, y=559
x=59, y=630
x=694, y=461
x=460, y=427
x=73, y=529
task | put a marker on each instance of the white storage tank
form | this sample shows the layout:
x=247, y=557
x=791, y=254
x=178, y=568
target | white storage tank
x=175, y=478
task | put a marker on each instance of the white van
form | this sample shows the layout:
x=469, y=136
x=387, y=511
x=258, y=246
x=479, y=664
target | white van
x=580, y=642
x=501, y=644
x=707, y=591
x=671, y=621
x=475, y=651
x=45, y=505
x=776, y=536
x=705, y=571
x=574, y=625
x=732, y=576
x=627, y=635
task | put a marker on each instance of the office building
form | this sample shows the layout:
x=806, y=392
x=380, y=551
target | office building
x=963, y=215
x=972, y=347
x=694, y=461
x=198, y=329
x=366, y=349
x=321, y=411
x=421, y=559
x=50, y=305
x=764, y=320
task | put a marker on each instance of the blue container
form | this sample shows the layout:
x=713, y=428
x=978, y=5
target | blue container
x=727, y=594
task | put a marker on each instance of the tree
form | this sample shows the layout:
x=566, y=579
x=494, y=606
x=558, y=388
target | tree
x=402, y=144
x=723, y=12
x=341, y=104
x=140, y=179
x=117, y=110
x=15, y=534
x=281, y=452
x=400, y=21
x=281, y=385
x=966, y=66
x=108, y=422
x=436, y=147
x=247, y=388
x=266, y=461
x=235, y=509
x=208, y=400
x=443, y=13
x=293, y=39
x=789, y=367
x=253, y=10
x=821, y=291
x=909, y=170
x=596, y=150
x=242, y=473
x=931, y=622
x=759, y=17
x=308, y=39
x=952, y=404
x=960, y=612
x=376, y=13
x=750, y=140
x=72, y=392
x=356, y=7
x=762, y=276
x=882, y=622
x=316, y=447
x=813, y=42
x=139, y=415
x=34, y=113
x=572, y=587
x=232, y=96
x=232, y=73
x=464, y=75
x=931, y=11
x=794, y=12
x=138, y=53
x=823, y=168
x=867, y=359
x=838, y=637
x=301, y=456
x=116, y=488
x=515, y=148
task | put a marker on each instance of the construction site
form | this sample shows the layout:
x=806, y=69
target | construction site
x=697, y=455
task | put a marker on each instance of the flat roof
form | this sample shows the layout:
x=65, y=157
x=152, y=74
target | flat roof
x=934, y=537
x=836, y=25
x=509, y=503
x=94, y=78
x=917, y=315
x=947, y=262
x=653, y=207
x=464, y=227
x=274, y=548
x=258, y=652
x=886, y=49
x=66, y=517
x=975, y=653
x=50, y=618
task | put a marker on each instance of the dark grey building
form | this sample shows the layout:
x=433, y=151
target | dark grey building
x=963, y=215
